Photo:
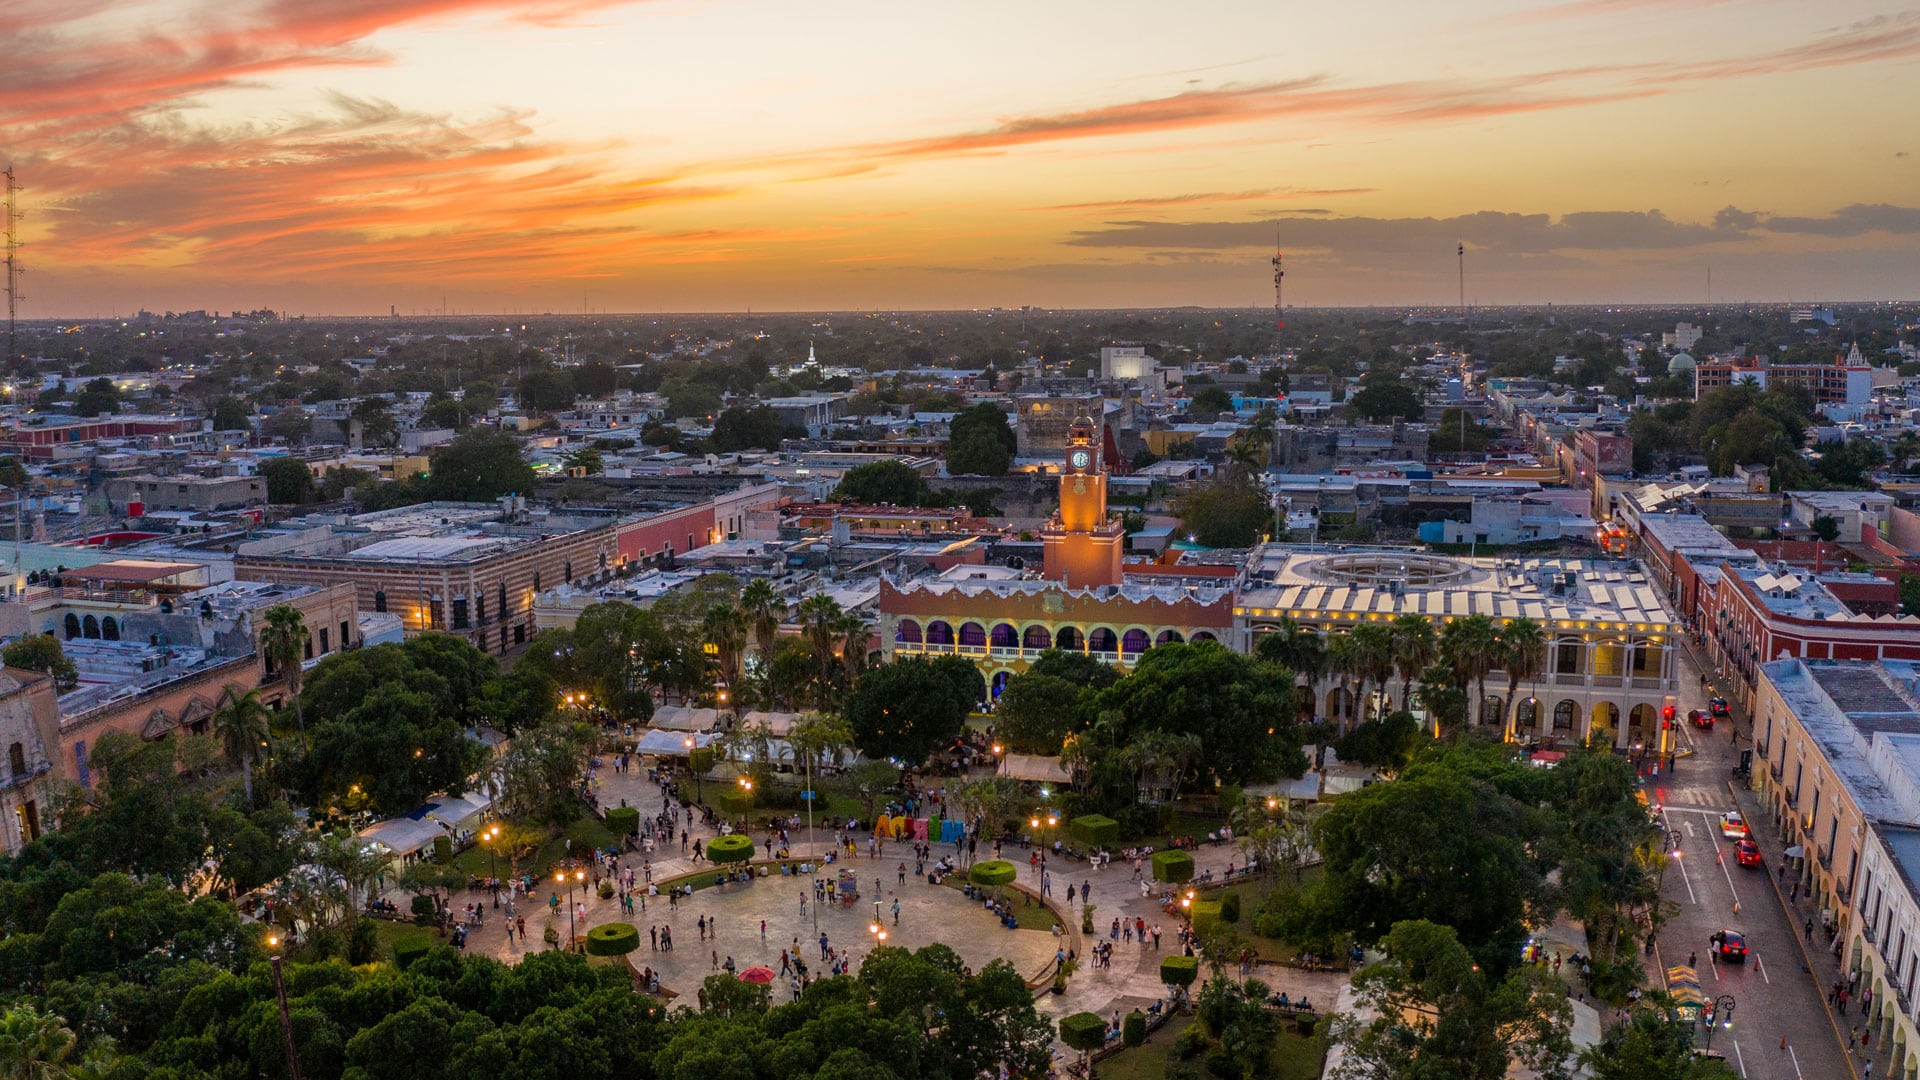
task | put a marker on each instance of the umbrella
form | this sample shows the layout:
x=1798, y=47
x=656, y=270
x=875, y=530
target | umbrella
x=758, y=973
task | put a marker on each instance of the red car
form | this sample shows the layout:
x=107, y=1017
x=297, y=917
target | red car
x=1700, y=719
x=1746, y=853
x=1729, y=946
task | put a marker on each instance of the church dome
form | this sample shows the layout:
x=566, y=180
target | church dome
x=1681, y=362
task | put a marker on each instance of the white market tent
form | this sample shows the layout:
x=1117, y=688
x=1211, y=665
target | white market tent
x=1035, y=768
x=778, y=724
x=671, y=743
x=443, y=816
x=681, y=718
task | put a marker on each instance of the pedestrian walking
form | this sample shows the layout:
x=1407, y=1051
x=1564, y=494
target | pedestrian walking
x=763, y=929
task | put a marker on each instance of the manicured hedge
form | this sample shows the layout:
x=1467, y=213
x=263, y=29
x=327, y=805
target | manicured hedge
x=730, y=849
x=700, y=760
x=407, y=951
x=1133, y=1030
x=993, y=873
x=1205, y=915
x=1172, y=866
x=443, y=850
x=1179, y=970
x=1083, y=1031
x=733, y=802
x=1095, y=830
x=613, y=939
x=623, y=821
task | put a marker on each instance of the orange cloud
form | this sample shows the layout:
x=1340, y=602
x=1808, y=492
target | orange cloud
x=1207, y=198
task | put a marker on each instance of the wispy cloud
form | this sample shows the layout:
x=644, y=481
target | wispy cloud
x=1209, y=198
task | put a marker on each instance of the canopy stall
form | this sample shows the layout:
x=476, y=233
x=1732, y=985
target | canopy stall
x=672, y=743
x=683, y=718
x=445, y=815
x=778, y=724
x=1034, y=768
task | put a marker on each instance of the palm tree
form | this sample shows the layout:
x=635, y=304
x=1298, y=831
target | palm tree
x=1414, y=649
x=1343, y=660
x=1523, y=653
x=726, y=627
x=852, y=628
x=34, y=1045
x=240, y=723
x=1300, y=648
x=1373, y=658
x=284, y=640
x=1467, y=645
x=763, y=609
x=820, y=614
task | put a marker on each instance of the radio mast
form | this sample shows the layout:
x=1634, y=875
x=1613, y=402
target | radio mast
x=1279, y=275
x=14, y=269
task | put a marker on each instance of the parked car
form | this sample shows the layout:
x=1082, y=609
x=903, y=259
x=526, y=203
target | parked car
x=1700, y=718
x=1746, y=853
x=1730, y=946
x=1719, y=707
x=1733, y=826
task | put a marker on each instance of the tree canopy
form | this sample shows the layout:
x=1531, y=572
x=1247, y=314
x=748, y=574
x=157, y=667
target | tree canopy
x=745, y=427
x=888, y=483
x=980, y=442
x=908, y=709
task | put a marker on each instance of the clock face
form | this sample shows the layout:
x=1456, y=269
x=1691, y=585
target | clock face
x=1080, y=459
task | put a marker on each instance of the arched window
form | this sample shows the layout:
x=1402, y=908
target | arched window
x=1566, y=657
x=380, y=601
x=90, y=627
x=1004, y=636
x=1202, y=635
x=1036, y=637
x=110, y=628
x=973, y=633
x=907, y=633
x=939, y=632
x=1169, y=637
x=73, y=626
x=1526, y=713
x=1069, y=638
x=1103, y=640
x=17, y=759
x=1492, y=711
x=1563, y=715
x=1134, y=642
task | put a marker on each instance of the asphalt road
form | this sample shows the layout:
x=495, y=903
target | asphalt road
x=1780, y=1028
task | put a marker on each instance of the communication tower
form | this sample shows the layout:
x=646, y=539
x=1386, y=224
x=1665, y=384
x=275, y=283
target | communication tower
x=14, y=269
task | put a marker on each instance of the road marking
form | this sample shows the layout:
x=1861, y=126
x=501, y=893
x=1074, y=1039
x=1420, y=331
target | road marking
x=1720, y=857
x=1796, y=1062
x=1762, y=969
x=1740, y=1057
x=1687, y=825
x=1680, y=863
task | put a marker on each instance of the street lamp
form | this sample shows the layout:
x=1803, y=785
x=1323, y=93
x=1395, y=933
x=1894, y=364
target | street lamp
x=579, y=876
x=1720, y=1012
x=286, y=1020
x=493, y=861
x=688, y=743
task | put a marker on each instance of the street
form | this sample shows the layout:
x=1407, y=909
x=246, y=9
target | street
x=1780, y=1025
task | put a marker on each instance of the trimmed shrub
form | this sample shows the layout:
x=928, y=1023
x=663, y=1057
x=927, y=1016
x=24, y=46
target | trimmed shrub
x=1133, y=1030
x=406, y=952
x=993, y=873
x=363, y=943
x=1179, y=971
x=1230, y=908
x=730, y=849
x=1206, y=917
x=1084, y=1031
x=443, y=850
x=1173, y=866
x=424, y=910
x=623, y=821
x=1095, y=830
x=605, y=890
x=733, y=802
x=613, y=939
x=701, y=760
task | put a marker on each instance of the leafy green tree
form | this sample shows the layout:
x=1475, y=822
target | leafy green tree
x=478, y=467
x=289, y=481
x=1229, y=512
x=1383, y=399
x=1826, y=528
x=908, y=709
x=1036, y=713
x=1241, y=709
x=887, y=483
x=448, y=413
x=232, y=414
x=1210, y=400
x=745, y=427
x=284, y=640
x=1910, y=594
x=42, y=652
x=394, y=748
x=536, y=777
x=980, y=442
x=688, y=398
x=34, y=1045
x=586, y=459
x=240, y=723
x=1650, y=1046
x=97, y=397
x=131, y=930
x=377, y=427
x=545, y=389
x=1439, y=1014
x=1386, y=745
x=12, y=473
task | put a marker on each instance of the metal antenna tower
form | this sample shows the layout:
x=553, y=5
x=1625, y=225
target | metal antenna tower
x=1279, y=275
x=1462, y=253
x=14, y=269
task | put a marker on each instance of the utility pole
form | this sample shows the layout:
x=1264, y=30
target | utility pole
x=286, y=1021
x=14, y=269
x=1462, y=253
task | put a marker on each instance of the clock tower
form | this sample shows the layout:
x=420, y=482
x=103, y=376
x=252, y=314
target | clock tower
x=1082, y=544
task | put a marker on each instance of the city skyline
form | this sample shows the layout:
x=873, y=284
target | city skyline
x=557, y=155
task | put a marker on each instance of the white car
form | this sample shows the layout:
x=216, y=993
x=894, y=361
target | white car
x=1733, y=826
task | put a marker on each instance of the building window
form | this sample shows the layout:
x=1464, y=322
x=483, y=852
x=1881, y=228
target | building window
x=568, y=571
x=90, y=627
x=502, y=597
x=459, y=613
x=110, y=628
x=17, y=759
x=346, y=639
x=73, y=626
x=323, y=641
x=380, y=601
x=536, y=581
x=480, y=608
x=309, y=649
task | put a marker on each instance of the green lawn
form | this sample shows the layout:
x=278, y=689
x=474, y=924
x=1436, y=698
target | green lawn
x=392, y=933
x=1297, y=1057
x=585, y=832
x=1034, y=916
x=1252, y=893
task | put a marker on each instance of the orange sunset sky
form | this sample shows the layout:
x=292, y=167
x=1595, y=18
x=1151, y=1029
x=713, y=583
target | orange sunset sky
x=341, y=156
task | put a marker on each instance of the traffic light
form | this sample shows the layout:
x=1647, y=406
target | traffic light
x=1666, y=718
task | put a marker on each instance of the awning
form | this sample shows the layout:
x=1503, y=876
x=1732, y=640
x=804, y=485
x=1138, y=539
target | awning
x=681, y=718
x=441, y=817
x=671, y=743
x=1683, y=986
x=1036, y=768
x=776, y=723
